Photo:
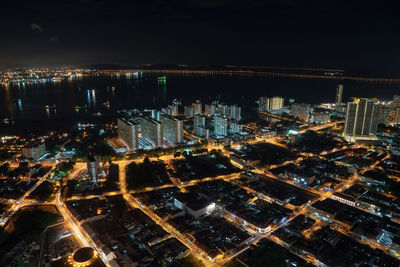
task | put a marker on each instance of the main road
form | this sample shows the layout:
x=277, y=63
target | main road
x=19, y=203
x=80, y=234
x=134, y=203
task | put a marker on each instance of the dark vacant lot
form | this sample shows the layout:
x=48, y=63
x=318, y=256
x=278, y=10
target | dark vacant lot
x=146, y=174
x=194, y=167
x=268, y=153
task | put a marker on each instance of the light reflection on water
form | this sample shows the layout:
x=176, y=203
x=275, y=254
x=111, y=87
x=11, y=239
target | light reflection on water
x=82, y=99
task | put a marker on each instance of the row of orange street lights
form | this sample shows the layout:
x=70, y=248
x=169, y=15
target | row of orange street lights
x=19, y=203
x=197, y=252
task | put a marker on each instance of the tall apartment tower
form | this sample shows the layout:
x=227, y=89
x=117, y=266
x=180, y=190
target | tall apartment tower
x=235, y=127
x=34, y=151
x=172, y=128
x=197, y=107
x=152, y=131
x=302, y=111
x=174, y=110
x=220, y=125
x=155, y=114
x=189, y=112
x=395, y=116
x=361, y=120
x=199, y=126
x=339, y=94
x=198, y=123
x=396, y=100
x=222, y=109
x=93, y=167
x=235, y=112
x=128, y=133
x=384, y=113
x=276, y=102
x=209, y=110
x=262, y=103
x=269, y=104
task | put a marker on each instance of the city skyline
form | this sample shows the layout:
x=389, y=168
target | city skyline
x=199, y=133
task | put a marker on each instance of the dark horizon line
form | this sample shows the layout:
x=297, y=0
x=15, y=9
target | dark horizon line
x=173, y=66
x=181, y=65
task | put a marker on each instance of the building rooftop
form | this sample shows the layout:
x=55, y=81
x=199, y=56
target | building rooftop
x=116, y=143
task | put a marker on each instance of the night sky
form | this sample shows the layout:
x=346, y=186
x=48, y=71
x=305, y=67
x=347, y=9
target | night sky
x=361, y=36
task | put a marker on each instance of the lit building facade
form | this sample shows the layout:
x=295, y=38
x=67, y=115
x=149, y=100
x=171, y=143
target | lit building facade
x=339, y=94
x=209, y=110
x=222, y=109
x=235, y=127
x=361, y=120
x=204, y=132
x=34, y=151
x=302, y=111
x=220, y=125
x=384, y=113
x=189, y=112
x=152, y=131
x=128, y=133
x=320, y=117
x=155, y=114
x=172, y=128
x=93, y=167
x=270, y=104
x=396, y=100
x=198, y=122
x=174, y=110
x=395, y=115
x=235, y=113
x=197, y=107
x=166, y=110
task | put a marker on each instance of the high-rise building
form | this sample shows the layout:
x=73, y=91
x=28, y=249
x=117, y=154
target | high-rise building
x=384, y=114
x=396, y=100
x=213, y=109
x=220, y=125
x=197, y=107
x=270, y=104
x=235, y=113
x=199, y=126
x=209, y=110
x=339, y=94
x=166, y=110
x=170, y=110
x=262, y=103
x=152, y=131
x=128, y=133
x=172, y=128
x=395, y=112
x=189, y=112
x=34, y=151
x=222, y=109
x=174, y=110
x=395, y=115
x=155, y=114
x=198, y=122
x=302, y=111
x=204, y=132
x=235, y=127
x=176, y=102
x=361, y=119
x=93, y=167
x=320, y=117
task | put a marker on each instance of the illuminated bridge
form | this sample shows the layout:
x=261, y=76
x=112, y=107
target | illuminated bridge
x=254, y=72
